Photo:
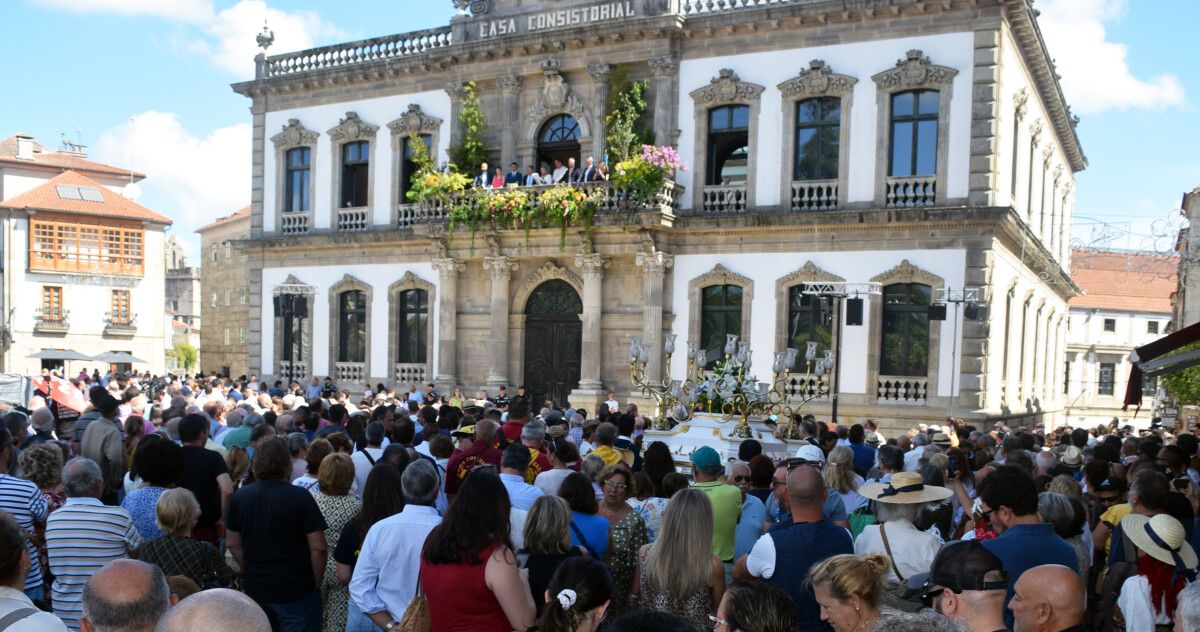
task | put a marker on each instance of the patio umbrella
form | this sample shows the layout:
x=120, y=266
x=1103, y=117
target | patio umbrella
x=117, y=357
x=59, y=354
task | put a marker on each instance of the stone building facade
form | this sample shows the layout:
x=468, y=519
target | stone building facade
x=1186, y=301
x=945, y=161
x=182, y=285
x=225, y=295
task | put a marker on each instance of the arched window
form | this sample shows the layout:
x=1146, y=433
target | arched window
x=728, y=145
x=558, y=140
x=299, y=179
x=720, y=315
x=809, y=318
x=407, y=167
x=914, y=133
x=352, y=326
x=905, y=349
x=356, y=168
x=818, y=133
x=412, y=317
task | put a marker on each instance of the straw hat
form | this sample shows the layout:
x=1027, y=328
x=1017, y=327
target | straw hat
x=1161, y=537
x=905, y=488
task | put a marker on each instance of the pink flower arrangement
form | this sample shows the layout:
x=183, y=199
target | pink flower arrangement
x=664, y=157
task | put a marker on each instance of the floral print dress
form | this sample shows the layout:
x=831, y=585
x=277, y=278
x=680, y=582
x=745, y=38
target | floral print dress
x=335, y=596
x=628, y=537
x=651, y=510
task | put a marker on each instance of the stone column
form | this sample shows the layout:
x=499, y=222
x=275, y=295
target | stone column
x=456, y=92
x=654, y=266
x=664, y=70
x=446, y=375
x=501, y=268
x=599, y=73
x=590, y=389
x=510, y=85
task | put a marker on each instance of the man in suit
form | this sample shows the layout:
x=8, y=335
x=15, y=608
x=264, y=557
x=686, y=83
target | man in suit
x=483, y=180
x=531, y=177
x=573, y=173
x=560, y=172
x=513, y=176
x=589, y=171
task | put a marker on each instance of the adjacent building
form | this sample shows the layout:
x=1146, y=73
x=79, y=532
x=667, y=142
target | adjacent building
x=904, y=147
x=1186, y=302
x=81, y=261
x=225, y=295
x=1126, y=303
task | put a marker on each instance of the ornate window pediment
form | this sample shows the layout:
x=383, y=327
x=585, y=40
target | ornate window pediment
x=294, y=134
x=414, y=121
x=727, y=87
x=349, y=282
x=913, y=72
x=352, y=128
x=293, y=285
x=410, y=281
x=720, y=275
x=808, y=273
x=555, y=97
x=545, y=273
x=817, y=81
x=906, y=272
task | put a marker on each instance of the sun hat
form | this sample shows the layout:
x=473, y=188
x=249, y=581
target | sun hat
x=466, y=432
x=810, y=453
x=706, y=459
x=1161, y=537
x=941, y=439
x=1072, y=457
x=904, y=489
x=959, y=566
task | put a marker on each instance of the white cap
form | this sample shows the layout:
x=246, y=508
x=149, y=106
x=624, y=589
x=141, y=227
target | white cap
x=810, y=453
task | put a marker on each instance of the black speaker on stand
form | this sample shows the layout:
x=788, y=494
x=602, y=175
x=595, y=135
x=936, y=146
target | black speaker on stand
x=937, y=312
x=854, y=312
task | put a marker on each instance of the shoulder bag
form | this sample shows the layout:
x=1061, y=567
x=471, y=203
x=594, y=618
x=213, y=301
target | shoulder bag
x=416, y=616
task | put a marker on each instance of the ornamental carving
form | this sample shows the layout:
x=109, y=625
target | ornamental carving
x=808, y=273
x=720, y=275
x=294, y=135
x=906, y=272
x=414, y=122
x=914, y=71
x=1035, y=131
x=654, y=263
x=350, y=282
x=508, y=83
x=663, y=66
x=456, y=91
x=599, y=71
x=727, y=87
x=411, y=281
x=555, y=95
x=1020, y=103
x=352, y=128
x=547, y=272
x=818, y=80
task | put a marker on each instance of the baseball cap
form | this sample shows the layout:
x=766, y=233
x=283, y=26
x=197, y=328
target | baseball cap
x=960, y=566
x=706, y=459
x=464, y=432
x=810, y=453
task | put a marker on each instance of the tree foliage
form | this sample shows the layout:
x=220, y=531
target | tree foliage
x=185, y=354
x=626, y=118
x=1184, y=386
x=468, y=154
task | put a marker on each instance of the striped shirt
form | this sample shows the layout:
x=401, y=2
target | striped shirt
x=23, y=501
x=81, y=537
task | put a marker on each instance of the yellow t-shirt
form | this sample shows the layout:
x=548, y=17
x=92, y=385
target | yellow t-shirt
x=1112, y=517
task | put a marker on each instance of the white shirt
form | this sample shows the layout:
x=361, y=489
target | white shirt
x=12, y=600
x=393, y=543
x=560, y=173
x=613, y=405
x=913, y=550
x=550, y=480
x=363, y=465
x=521, y=494
x=911, y=457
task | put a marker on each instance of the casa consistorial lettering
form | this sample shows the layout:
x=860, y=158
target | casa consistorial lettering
x=557, y=18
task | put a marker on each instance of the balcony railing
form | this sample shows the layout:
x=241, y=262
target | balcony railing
x=350, y=371
x=814, y=195
x=612, y=200
x=902, y=390
x=409, y=372
x=352, y=220
x=911, y=191
x=805, y=387
x=292, y=371
x=723, y=200
x=51, y=320
x=120, y=323
x=362, y=51
x=696, y=7
x=294, y=223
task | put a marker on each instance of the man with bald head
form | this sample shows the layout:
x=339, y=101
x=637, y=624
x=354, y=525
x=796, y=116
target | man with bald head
x=1048, y=598
x=785, y=554
x=216, y=610
x=124, y=596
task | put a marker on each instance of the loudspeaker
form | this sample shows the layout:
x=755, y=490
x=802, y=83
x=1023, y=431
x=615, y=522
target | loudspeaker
x=277, y=301
x=854, y=312
x=976, y=312
x=937, y=312
x=299, y=306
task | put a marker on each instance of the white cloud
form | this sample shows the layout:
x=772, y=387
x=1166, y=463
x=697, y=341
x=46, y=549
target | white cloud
x=180, y=10
x=230, y=40
x=191, y=179
x=1095, y=71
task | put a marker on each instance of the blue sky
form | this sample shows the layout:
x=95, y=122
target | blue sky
x=145, y=84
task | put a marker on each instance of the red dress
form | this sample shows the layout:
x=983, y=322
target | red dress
x=459, y=599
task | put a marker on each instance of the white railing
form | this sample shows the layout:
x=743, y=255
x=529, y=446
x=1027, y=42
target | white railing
x=289, y=371
x=350, y=371
x=352, y=220
x=433, y=212
x=723, y=199
x=409, y=373
x=911, y=191
x=362, y=51
x=902, y=390
x=294, y=223
x=814, y=195
x=695, y=7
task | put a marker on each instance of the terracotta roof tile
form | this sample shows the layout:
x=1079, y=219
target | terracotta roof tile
x=241, y=213
x=1124, y=281
x=43, y=157
x=45, y=197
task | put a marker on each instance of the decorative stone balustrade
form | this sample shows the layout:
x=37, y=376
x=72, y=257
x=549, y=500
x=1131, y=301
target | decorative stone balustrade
x=353, y=220
x=362, y=51
x=350, y=371
x=806, y=387
x=289, y=371
x=911, y=192
x=696, y=7
x=902, y=390
x=294, y=223
x=814, y=195
x=409, y=373
x=724, y=200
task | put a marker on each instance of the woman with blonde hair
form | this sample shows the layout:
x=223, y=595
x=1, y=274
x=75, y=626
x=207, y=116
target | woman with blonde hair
x=338, y=506
x=839, y=475
x=678, y=574
x=176, y=552
x=548, y=541
x=237, y=461
x=849, y=590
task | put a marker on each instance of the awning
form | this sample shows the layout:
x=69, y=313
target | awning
x=59, y=354
x=1153, y=360
x=117, y=357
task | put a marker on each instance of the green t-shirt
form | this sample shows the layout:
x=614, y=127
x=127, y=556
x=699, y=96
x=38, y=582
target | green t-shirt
x=727, y=507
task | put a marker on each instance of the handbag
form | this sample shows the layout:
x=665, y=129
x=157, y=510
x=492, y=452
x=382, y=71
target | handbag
x=897, y=594
x=209, y=578
x=416, y=616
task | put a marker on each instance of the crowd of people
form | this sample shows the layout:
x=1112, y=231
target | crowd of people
x=568, y=173
x=221, y=504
